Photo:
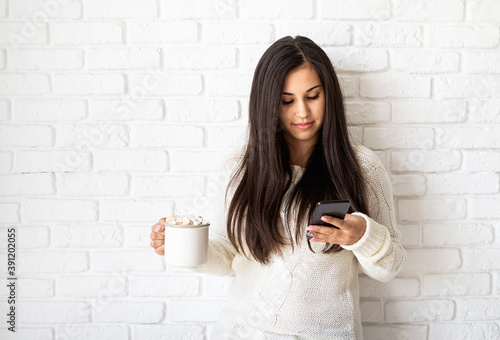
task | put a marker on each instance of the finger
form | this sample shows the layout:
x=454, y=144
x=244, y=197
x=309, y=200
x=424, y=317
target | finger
x=337, y=222
x=159, y=226
x=160, y=250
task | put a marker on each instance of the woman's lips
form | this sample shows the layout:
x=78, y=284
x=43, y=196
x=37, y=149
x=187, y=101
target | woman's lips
x=304, y=126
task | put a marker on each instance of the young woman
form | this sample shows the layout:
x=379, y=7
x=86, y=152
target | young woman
x=298, y=153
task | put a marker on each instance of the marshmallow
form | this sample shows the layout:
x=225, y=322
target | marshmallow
x=184, y=220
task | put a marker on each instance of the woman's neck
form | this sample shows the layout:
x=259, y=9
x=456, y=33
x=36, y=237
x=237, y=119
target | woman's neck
x=299, y=155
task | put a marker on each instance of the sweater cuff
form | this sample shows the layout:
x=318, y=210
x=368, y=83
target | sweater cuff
x=372, y=241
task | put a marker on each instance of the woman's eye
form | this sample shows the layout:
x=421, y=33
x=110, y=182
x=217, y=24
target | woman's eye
x=313, y=98
x=287, y=102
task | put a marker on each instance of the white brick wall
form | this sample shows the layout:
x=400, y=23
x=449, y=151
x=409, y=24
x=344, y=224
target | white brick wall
x=115, y=113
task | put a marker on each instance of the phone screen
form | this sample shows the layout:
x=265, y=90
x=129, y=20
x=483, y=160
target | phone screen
x=336, y=209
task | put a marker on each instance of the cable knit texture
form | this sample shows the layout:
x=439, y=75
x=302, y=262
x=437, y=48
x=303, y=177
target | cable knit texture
x=306, y=295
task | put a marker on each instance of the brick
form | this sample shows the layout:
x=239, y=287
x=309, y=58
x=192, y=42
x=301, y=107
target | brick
x=220, y=137
x=480, y=183
x=431, y=209
x=464, y=331
x=6, y=160
x=483, y=11
x=49, y=109
x=202, y=110
x=35, y=262
x=159, y=186
x=428, y=10
x=367, y=112
x=24, y=84
x=3, y=14
x=322, y=33
x=176, y=332
x=126, y=261
x=2, y=60
x=86, y=33
x=92, y=332
x=195, y=9
x=135, y=210
x=5, y=109
x=466, y=87
x=228, y=84
x=135, y=237
x=123, y=58
x=194, y=311
x=53, y=161
x=40, y=10
x=9, y=213
x=164, y=84
x=419, y=310
x=349, y=86
x=37, y=288
x=408, y=185
x=481, y=259
x=27, y=33
x=29, y=333
x=87, y=236
x=125, y=109
x=87, y=136
x=484, y=111
x=376, y=34
x=479, y=309
x=141, y=32
x=359, y=9
x=384, y=332
x=229, y=33
x=26, y=184
x=412, y=61
x=395, y=87
x=354, y=59
x=355, y=134
x=398, y=287
x=482, y=62
x=426, y=161
x=26, y=135
x=425, y=111
x=180, y=136
x=44, y=59
x=33, y=237
x=453, y=234
x=130, y=160
x=410, y=235
x=468, y=137
x=481, y=160
x=398, y=138
x=371, y=311
x=92, y=184
x=55, y=312
x=456, y=284
x=216, y=286
x=96, y=9
x=189, y=161
x=432, y=261
x=92, y=286
x=441, y=36
x=164, y=286
x=196, y=58
x=484, y=207
x=249, y=56
x=89, y=84
x=43, y=209
x=280, y=9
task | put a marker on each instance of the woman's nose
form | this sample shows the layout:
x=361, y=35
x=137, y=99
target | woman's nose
x=302, y=110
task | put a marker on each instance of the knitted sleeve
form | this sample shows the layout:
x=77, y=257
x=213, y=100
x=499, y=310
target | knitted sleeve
x=220, y=250
x=379, y=251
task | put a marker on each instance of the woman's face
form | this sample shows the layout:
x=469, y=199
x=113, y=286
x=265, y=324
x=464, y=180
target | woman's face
x=302, y=107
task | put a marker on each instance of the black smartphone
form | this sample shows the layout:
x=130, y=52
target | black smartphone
x=336, y=209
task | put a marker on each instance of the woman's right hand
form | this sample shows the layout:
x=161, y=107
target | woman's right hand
x=158, y=237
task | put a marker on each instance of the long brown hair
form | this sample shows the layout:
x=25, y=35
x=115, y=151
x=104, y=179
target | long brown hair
x=264, y=174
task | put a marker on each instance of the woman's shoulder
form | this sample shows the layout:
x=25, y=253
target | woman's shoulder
x=367, y=159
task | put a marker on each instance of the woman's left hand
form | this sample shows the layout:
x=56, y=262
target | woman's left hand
x=349, y=231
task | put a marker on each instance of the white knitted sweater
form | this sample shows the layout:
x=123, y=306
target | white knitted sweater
x=306, y=295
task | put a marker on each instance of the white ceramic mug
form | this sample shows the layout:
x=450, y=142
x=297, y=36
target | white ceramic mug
x=186, y=245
